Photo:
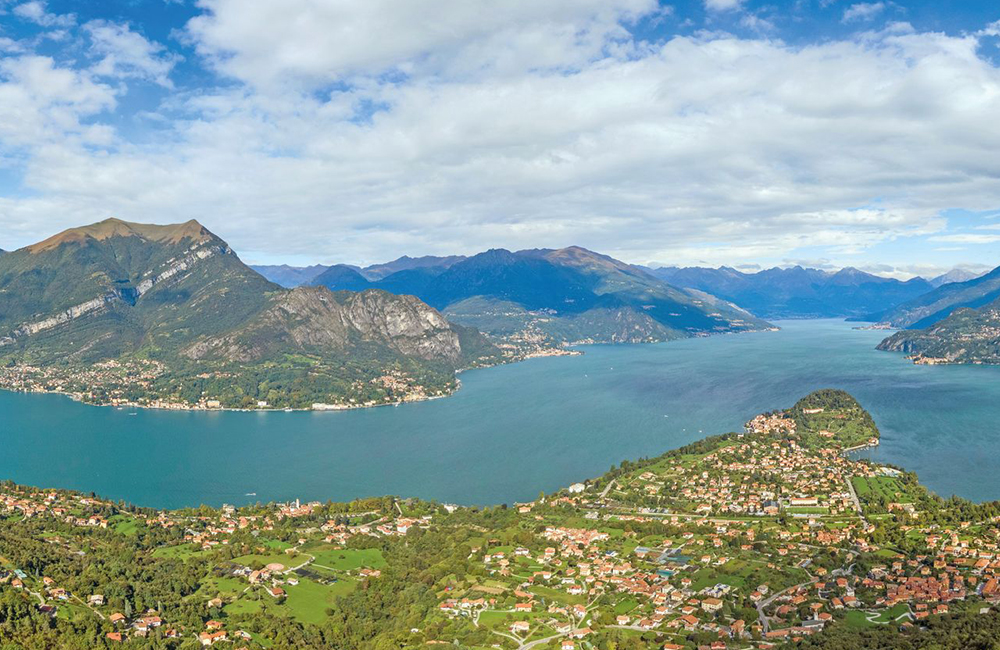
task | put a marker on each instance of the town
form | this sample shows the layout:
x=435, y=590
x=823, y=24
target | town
x=756, y=539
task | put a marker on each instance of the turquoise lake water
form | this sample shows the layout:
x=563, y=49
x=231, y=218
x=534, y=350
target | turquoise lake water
x=514, y=430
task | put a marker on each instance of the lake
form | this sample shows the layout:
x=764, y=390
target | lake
x=518, y=429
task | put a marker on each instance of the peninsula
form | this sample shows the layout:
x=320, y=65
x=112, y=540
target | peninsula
x=769, y=537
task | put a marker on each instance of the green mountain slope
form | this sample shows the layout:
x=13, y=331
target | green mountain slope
x=965, y=336
x=189, y=323
x=936, y=305
x=565, y=295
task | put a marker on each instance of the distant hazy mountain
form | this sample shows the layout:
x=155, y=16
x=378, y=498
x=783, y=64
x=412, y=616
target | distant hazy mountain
x=965, y=336
x=570, y=294
x=180, y=296
x=289, y=276
x=343, y=277
x=798, y=292
x=406, y=263
x=954, y=275
x=295, y=276
x=938, y=304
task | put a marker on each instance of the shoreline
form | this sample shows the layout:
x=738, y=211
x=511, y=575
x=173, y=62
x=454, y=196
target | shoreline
x=566, y=350
x=225, y=409
x=867, y=445
x=317, y=407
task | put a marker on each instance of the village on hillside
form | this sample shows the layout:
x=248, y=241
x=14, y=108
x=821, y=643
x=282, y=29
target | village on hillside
x=754, y=539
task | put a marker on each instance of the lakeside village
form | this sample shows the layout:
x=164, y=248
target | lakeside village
x=132, y=384
x=753, y=540
x=138, y=383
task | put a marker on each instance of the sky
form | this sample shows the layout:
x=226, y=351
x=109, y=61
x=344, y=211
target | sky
x=744, y=133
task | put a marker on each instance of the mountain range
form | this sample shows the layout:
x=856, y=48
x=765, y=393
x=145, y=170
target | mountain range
x=566, y=295
x=294, y=276
x=934, y=306
x=966, y=335
x=954, y=275
x=289, y=276
x=798, y=292
x=955, y=323
x=176, y=305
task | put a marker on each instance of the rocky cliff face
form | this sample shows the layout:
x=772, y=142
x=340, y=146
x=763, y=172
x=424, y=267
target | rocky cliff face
x=314, y=318
x=172, y=269
x=403, y=322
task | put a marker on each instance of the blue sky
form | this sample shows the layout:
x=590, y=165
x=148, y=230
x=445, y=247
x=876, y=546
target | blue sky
x=712, y=132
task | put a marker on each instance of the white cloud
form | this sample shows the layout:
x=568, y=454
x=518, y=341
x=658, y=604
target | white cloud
x=863, y=11
x=128, y=54
x=42, y=104
x=723, y=5
x=37, y=12
x=264, y=42
x=966, y=238
x=712, y=147
x=9, y=45
x=757, y=23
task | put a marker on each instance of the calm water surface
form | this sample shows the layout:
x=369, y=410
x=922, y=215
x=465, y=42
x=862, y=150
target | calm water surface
x=515, y=430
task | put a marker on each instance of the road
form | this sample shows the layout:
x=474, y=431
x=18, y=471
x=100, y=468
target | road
x=854, y=498
x=762, y=618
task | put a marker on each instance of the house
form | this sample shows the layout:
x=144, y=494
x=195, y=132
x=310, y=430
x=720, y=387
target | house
x=689, y=622
x=113, y=636
x=96, y=600
x=576, y=488
x=117, y=618
x=520, y=626
x=210, y=638
x=711, y=604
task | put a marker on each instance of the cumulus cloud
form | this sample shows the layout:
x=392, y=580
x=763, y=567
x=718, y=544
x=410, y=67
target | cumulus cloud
x=331, y=145
x=37, y=12
x=126, y=53
x=723, y=5
x=264, y=42
x=863, y=11
x=42, y=104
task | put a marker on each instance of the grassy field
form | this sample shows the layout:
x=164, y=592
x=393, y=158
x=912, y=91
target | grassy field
x=807, y=510
x=308, y=601
x=347, y=559
x=857, y=618
x=181, y=552
x=258, y=561
x=887, y=487
x=559, y=596
x=626, y=605
x=123, y=525
x=224, y=587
